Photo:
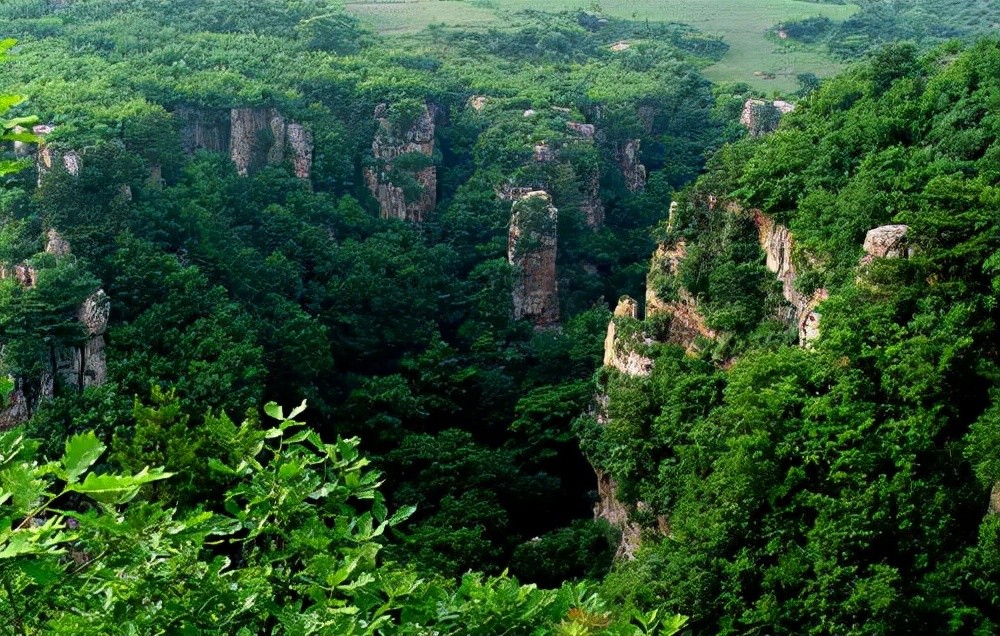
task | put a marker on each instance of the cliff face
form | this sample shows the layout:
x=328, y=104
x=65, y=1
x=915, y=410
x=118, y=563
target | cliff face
x=203, y=129
x=253, y=137
x=74, y=367
x=777, y=243
x=386, y=148
x=620, y=353
x=633, y=171
x=47, y=156
x=531, y=250
x=686, y=324
x=760, y=117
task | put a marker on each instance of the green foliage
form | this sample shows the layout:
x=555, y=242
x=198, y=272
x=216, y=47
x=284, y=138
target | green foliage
x=296, y=550
x=840, y=488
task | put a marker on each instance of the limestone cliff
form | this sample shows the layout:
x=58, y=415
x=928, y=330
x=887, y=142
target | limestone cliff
x=627, y=156
x=685, y=326
x=389, y=145
x=620, y=353
x=531, y=250
x=777, y=243
x=203, y=129
x=592, y=206
x=887, y=241
x=760, y=117
x=72, y=367
x=609, y=508
x=48, y=155
x=252, y=137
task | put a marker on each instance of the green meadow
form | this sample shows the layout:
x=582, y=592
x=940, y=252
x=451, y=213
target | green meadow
x=756, y=55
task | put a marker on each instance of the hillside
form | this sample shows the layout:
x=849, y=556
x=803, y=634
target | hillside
x=582, y=343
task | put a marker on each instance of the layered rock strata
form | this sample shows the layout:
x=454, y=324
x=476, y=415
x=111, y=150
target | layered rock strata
x=389, y=145
x=531, y=250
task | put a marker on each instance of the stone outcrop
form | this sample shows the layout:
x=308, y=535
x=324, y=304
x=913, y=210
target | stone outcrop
x=387, y=146
x=252, y=137
x=584, y=130
x=887, y=241
x=592, y=206
x=777, y=243
x=48, y=156
x=760, y=117
x=622, y=355
x=72, y=367
x=543, y=153
x=627, y=156
x=686, y=326
x=994, y=508
x=609, y=508
x=203, y=129
x=531, y=250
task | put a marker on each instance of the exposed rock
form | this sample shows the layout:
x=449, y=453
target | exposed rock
x=620, y=354
x=887, y=241
x=47, y=156
x=620, y=46
x=609, y=508
x=995, y=499
x=531, y=250
x=477, y=102
x=760, y=117
x=56, y=244
x=510, y=192
x=584, y=130
x=687, y=326
x=257, y=138
x=543, y=153
x=529, y=113
x=592, y=206
x=562, y=109
x=647, y=115
x=776, y=241
x=203, y=129
x=22, y=149
x=77, y=366
x=252, y=137
x=300, y=142
x=783, y=107
x=389, y=145
x=633, y=171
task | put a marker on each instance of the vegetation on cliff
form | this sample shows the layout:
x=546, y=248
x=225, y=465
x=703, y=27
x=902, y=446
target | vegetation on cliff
x=282, y=206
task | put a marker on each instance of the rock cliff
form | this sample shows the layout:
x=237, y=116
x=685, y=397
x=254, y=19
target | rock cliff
x=252, y=137
x=47, y=156
x=531, y=250
x=620, y=353
x=73, y=367
x=627, y=156
x=686, y=326
x=761, y=117
x=777, y=243
x=386, y=179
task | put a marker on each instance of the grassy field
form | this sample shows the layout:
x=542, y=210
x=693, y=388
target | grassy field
x=755, y=55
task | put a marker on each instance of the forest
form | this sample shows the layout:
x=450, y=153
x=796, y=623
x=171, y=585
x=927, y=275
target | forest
x=309, y=329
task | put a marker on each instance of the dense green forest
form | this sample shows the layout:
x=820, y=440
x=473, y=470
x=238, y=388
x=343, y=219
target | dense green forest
x=210, y=209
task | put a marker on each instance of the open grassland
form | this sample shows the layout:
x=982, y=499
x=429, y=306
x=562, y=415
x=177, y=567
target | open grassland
x=755, y=56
